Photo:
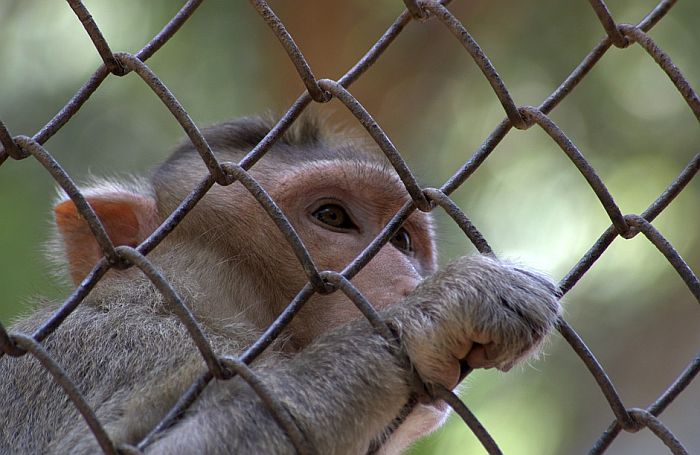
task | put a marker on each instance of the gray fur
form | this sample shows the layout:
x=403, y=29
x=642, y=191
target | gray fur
x=344, y=387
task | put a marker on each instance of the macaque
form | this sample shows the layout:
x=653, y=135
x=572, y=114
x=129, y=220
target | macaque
x=348, y=389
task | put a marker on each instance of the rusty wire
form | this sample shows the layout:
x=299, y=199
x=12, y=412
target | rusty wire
x=322, y=90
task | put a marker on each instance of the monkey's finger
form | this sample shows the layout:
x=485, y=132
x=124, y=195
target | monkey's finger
x=506, y=366
x=460, y=350
x=494, y=353
x=482, y=356
x=481, y=338
x=446, y=371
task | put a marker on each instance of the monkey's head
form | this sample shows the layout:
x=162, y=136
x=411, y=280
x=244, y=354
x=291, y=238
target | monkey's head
x=338, y=194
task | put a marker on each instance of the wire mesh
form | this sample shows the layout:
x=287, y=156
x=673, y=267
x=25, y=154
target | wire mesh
x=425, y=199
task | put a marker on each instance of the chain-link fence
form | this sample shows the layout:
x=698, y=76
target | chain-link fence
x=425, y=199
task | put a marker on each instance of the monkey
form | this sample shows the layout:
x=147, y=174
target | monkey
x=347, y=388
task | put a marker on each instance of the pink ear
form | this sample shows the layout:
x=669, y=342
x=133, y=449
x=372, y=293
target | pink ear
x=127, y=217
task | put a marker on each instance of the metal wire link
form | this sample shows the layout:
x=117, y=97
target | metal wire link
x=425, y=199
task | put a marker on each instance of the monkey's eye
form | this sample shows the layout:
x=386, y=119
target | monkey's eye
x=402, y=241
x=334, y=216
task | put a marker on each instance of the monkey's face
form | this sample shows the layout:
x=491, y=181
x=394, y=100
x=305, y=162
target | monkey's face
x=338, y=208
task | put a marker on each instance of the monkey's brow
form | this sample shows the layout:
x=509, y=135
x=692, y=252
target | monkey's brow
x=380, y=183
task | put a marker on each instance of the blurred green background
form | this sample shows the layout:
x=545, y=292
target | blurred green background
x=527, y=199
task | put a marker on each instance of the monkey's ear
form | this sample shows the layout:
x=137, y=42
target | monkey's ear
x=127, y=217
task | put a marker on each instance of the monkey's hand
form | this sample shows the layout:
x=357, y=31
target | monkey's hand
x=347, y=389
x=476, y=312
